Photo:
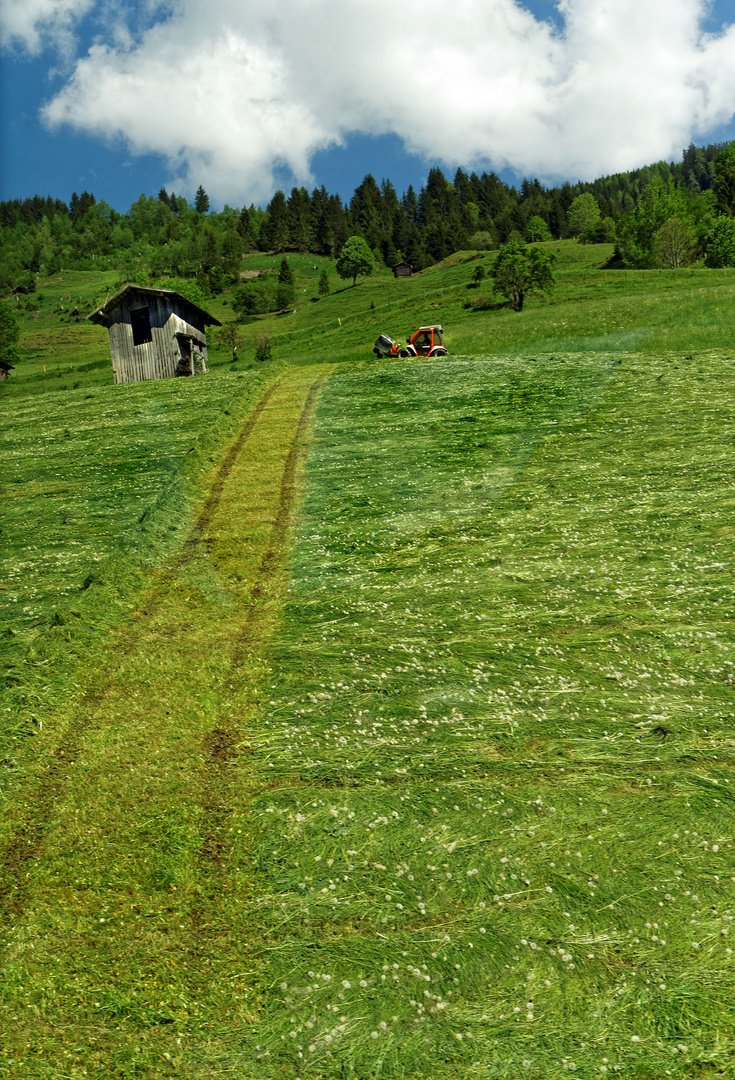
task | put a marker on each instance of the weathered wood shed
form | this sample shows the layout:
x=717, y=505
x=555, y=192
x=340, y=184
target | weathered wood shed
x=402, y=269
x=154, y=333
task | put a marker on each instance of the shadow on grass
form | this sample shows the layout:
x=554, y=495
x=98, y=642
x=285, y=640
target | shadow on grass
x=486, y=304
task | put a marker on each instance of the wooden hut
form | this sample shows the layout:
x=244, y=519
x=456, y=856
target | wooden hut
x=402, y=269
x=154, y=333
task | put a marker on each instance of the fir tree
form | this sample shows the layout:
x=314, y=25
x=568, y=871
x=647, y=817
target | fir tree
x=201, y=201
x=323, y=287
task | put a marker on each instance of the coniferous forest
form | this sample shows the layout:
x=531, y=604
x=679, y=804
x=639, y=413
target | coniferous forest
x=665, y=214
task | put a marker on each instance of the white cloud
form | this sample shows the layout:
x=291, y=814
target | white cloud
x=34, y=24
x=230, y=91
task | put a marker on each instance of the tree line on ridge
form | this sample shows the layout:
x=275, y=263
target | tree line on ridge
x=666, y=214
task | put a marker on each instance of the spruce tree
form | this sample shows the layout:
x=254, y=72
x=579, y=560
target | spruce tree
x=285, y=273
x=274, y=230
x=286, y=293
x=245, y=229
x=201, y=201
x=9, y=334
x=725, y=181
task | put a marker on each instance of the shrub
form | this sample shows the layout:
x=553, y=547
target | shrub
x=25, y=282
x=253, y=298
x=263, y=349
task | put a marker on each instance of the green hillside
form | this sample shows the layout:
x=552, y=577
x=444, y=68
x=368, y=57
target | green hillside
x=369, y=718
x=643, y=311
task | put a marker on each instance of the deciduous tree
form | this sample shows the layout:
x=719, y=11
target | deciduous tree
x=229, y=335
x=520, y=272
x=674, y=243
x=253, y=298
x=537, y=229
x=721, y=243
x=355, y=259
x=481, y=241
x=583, y=216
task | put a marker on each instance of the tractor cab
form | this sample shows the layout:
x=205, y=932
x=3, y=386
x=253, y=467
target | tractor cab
x=427, y=341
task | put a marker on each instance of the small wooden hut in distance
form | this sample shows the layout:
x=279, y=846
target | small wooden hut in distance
x=154, y=333
x=402, y=269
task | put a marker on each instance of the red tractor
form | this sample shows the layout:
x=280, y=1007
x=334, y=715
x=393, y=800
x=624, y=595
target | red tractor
x=427, y=341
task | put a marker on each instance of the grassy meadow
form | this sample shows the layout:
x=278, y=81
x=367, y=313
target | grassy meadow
x=374, y=719
x=501, y=728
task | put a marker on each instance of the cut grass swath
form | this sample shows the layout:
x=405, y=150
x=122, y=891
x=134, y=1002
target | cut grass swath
x=121, y=900
x=498, y=841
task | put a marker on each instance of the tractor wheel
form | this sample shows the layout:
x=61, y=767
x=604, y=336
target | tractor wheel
x=403, y=353
x=439, y=352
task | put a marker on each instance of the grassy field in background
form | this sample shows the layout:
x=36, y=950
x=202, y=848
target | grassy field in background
x=451, y=800
x=645, y=311
x=592, y=309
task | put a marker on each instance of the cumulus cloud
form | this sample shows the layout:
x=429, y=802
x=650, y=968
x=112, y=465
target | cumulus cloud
x=230, y=92
x=34, y=24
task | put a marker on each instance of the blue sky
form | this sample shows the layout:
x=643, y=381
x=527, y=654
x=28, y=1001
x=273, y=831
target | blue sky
x=96, y=96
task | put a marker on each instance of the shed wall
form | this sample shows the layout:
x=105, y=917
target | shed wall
x=155, y=359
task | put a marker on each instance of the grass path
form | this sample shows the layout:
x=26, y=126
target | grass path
x=124, y=919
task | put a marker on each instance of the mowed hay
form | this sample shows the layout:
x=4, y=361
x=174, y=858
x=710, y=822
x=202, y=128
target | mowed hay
x=468, y=815
x=498, y=837
x=99, y=486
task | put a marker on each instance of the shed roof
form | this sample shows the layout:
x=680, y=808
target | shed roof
x=102, y=314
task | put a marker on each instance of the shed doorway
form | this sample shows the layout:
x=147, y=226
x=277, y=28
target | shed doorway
x=186, y=358
x=191, y=356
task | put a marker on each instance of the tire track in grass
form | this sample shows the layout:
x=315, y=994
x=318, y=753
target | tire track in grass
x=131, y=902
x=214, y=497
x=26, y=840
x=221, y=747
